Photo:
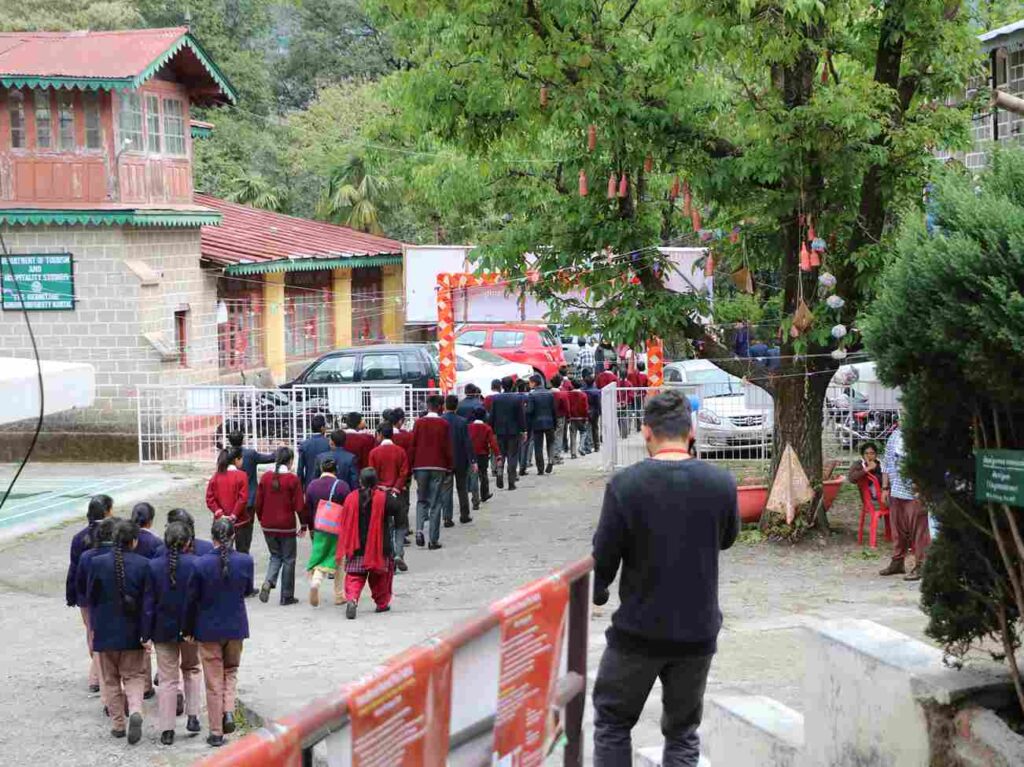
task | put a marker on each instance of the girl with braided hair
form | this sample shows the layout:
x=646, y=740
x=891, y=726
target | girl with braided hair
x=115, y=591
x=100, y=507
x=149, y=544
x=216, y=618
x=163, y=619
x=199, y=546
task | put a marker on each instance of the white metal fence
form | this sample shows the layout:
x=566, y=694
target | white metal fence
x=186, y=423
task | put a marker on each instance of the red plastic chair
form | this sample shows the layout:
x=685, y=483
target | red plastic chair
x=869, y=507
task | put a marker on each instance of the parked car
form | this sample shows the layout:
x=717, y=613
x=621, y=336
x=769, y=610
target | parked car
x=480, y=367
x=724, y=421
x=533, y=345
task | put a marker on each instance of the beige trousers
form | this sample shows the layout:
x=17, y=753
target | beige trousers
x=317, y=579
x=170, y=658
x=117, y=668
x=94, y=666
x=220, y=671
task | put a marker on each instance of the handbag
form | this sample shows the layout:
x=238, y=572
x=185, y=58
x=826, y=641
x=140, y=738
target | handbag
x=328, y=514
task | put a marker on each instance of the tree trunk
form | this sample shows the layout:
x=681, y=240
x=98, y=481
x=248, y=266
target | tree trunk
x=799, y=414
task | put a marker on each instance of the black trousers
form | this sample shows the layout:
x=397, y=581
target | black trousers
x=595, y=429
x=624, y=680
x=243, y=535
x=539, y=438
x=483, y=481
x=509, y=446
x=456, y=481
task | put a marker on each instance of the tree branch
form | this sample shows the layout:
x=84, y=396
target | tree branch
x=628, y=13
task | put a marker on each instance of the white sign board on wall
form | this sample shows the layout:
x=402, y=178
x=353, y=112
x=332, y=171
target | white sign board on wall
x=422, y=265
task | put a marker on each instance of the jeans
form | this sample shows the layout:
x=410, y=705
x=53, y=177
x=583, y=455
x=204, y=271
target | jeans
x=480, y=483
x=595, y=429
x=509, y=446
x=428, y=501
x=539, y=438
x=624, y=680
x=282, y=559
x=455, y=481
x=526, y=452
x=577, y=434
x=401, y=526
x=556, y=453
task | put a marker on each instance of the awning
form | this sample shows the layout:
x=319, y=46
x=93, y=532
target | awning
x=312, y=264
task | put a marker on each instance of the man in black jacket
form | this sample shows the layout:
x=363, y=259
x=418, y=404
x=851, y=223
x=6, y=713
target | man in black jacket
x=309, y=449
x=665, y=520
x=508, y=419
x=540, y=410
x=474, y=399
x=465, y=462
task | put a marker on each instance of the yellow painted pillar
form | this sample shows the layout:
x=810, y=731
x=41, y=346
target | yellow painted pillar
x=342, y=293
x=273, y=326
x=393, y=287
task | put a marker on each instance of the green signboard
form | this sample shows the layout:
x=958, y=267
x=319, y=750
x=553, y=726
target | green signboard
x=1000, y=476
x=46, y=280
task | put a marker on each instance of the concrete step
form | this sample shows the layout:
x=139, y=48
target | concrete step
x=751, y=731
x=651, y=757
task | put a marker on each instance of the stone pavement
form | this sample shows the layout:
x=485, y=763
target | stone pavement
x=297, y=653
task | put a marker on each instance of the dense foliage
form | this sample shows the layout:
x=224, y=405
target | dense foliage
x=948, y=329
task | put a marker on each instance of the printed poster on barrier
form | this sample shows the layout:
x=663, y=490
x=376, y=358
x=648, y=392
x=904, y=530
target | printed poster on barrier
x=399, y=714
x=532, y=624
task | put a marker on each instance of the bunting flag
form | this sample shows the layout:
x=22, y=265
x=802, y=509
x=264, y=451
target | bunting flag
x=655, y=363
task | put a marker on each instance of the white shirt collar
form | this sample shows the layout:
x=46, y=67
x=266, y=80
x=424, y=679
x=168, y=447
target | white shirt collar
x=478, y=420
x=386, y=442
x=432, y=414
x=232, y=467
x=282, y=469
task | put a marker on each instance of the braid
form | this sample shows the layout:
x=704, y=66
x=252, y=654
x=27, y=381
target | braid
x=224, y=562
x=172, y=565
x=224, y=533
x=127, y=604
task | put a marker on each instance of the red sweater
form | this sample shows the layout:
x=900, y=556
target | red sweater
x=566, y=385
x=637, y=379
x=391, y=464
x=278, y=509
x=561, y=403
x=227, y=494
x=579, y=407
x=431, y=444
x=360, y=443
x=483, y=439
x=604, y=378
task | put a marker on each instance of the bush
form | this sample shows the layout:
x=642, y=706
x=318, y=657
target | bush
x=948, y=329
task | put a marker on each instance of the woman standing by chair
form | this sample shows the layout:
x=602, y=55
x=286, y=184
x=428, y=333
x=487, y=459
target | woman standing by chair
x=279, y=504
x=327, y=488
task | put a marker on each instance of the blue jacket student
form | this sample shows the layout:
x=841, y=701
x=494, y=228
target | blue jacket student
x=216, y=604
x=164, y=607
x=462, y=446
x=78, y=547
x=508, y=417
x=84, y=566
x=593, y=399
x=250, y=460
x=310, y=448
x=148, y=544
x=345, y=462
x=115, y=628
x=540, y=409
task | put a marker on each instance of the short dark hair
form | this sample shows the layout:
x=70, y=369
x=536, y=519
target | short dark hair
x=471, y=389
x=864, y=447
x=496, y=384
x=397, y=416
x=353, y=419
x=556, y=381
x=319, y=423
x=451, y=402
x=387, y=431
x=480, y=414
x=236, y=438
x=328, y=465
x=507, y=383
x=640, y=365
x=536, y=380
x=435, y=402
x=338, y=438
x=668, y=415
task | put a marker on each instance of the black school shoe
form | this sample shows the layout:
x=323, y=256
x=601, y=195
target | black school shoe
x=383, y=609
x=465, y=520
x=215, y=740
x=500, y=482
x=94, y=688
x=286, y=603
x=229, y=723
x=434, y=547
x=193, y=724
x=350, y=611
x=420, y=540
x=400, y=565
x=149, y=694
x=265, y=592
x=167, y=737
x=449, y=523
x=134, y=728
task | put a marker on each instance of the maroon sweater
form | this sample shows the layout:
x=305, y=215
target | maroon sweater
x=483, y=439
x=579, y=407
x=561, y=403
x=226, y=495
x=391, y=464
x=431, y=444
x=360, y=443
x=277, y=510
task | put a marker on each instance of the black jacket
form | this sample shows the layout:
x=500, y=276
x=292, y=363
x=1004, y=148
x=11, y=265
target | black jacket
x=508, y=419
x=665, y=522
x=540, y=409
x=467, y=408
x=250, y=460
x=311, y=447
x=462, y=447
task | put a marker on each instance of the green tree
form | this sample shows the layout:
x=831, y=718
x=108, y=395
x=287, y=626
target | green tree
x=728, y=94
x=948, y=329
x=253, y=190
x=57, y=15
x=354, y=196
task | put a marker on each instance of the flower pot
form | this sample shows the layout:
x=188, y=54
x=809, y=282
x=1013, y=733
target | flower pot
x=752, y=499
x=831, y=491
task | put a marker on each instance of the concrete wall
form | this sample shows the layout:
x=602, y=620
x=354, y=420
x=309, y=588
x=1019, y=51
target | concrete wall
x=114, y=310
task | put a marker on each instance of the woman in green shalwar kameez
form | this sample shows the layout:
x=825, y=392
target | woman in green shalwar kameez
x=321, y=558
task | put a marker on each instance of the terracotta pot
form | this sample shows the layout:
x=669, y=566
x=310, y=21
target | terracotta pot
x=752, y=499
x=831, y=491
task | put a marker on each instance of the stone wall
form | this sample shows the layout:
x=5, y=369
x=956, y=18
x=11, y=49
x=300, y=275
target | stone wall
x=116, y=307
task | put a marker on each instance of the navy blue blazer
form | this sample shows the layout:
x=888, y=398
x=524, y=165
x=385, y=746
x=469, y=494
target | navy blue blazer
x=113, y=629
x=77, y=549
x=82, y=572
x=216, y=605
x=148, y=545
x=594, y=400
x=250, y=460
x=468, y=407
x=348, y=466
x=508, y=419
x=199, y=548
x=540, y=409
x=163, y=609
x=462, y=446
x=310, y=448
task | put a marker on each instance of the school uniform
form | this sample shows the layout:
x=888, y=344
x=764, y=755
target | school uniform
x=508, y=419
x=346, y=465
x=306, y=469
x=579, y=412
x=366, y=545
x=321, y=561
x=431, y=459
x=391, y=463
x=604, y=378
x=485, y=444
x=468, y=406
x=360, y=443
x=163, y=623
x=458, y=479
x=217, y=619
x=278, y=510
x=117, y=633
x=79, y=547
x=148, y=544
x=199, y=548
x=227, y=495
x=594, y=413
x=541, y=411
x=251, y=461
x=561, y=423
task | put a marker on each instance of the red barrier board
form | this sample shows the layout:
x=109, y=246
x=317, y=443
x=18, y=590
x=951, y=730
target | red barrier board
x=532, y=626
x=399, y=714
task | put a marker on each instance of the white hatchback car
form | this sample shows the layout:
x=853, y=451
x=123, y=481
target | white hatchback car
x=725, y=420
x=479, y=366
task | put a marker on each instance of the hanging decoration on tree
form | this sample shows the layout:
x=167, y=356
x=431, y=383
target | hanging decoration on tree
x=612, y=186
x=791, y=487
x=709, y=265
x=687, y=200
x=743, y=279
x=695, y=218
x=648, y=164
x=584, y=186
x=838, y=331
x=734, y=235
x=802, y=319
x=673, y=193
x=827, y=280
x=835, y=302
x=623, y=185
x=824, y=68
x=805, y=258
x=839, y=354
x=591, y=137
x=543, y=97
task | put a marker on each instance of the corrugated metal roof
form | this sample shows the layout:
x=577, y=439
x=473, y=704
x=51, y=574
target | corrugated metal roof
x=996, y=38
x=248, y=235
x=106, y=60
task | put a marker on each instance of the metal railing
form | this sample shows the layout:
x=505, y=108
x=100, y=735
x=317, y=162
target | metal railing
x=475, y=668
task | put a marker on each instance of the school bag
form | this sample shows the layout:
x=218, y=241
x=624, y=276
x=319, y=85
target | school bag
x=328, y=514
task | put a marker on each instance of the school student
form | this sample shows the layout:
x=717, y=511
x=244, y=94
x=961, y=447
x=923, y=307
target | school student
x=251, y=461
x=344, y=461
x=227, y=492
x=579, y=420
x=149, y=544
x=358, y=441
x=200, y=547
x=100, y=507
x=102, y=543
x=485, y=444
x=392, y=466
x=163, y=618
x=327, y=487
x=431, y=457
x=365, y=542
x=312, y=447
x=279, y=503
x=117, y=584
x=216, y=618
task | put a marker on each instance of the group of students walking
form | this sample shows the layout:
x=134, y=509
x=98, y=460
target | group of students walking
x=181, y=599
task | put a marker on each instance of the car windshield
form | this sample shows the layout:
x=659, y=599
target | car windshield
x=718, y=382
x=487, y=357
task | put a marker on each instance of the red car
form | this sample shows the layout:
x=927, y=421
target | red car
x=533, y=345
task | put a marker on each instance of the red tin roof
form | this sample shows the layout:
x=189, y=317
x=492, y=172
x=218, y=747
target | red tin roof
x=249, y=235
